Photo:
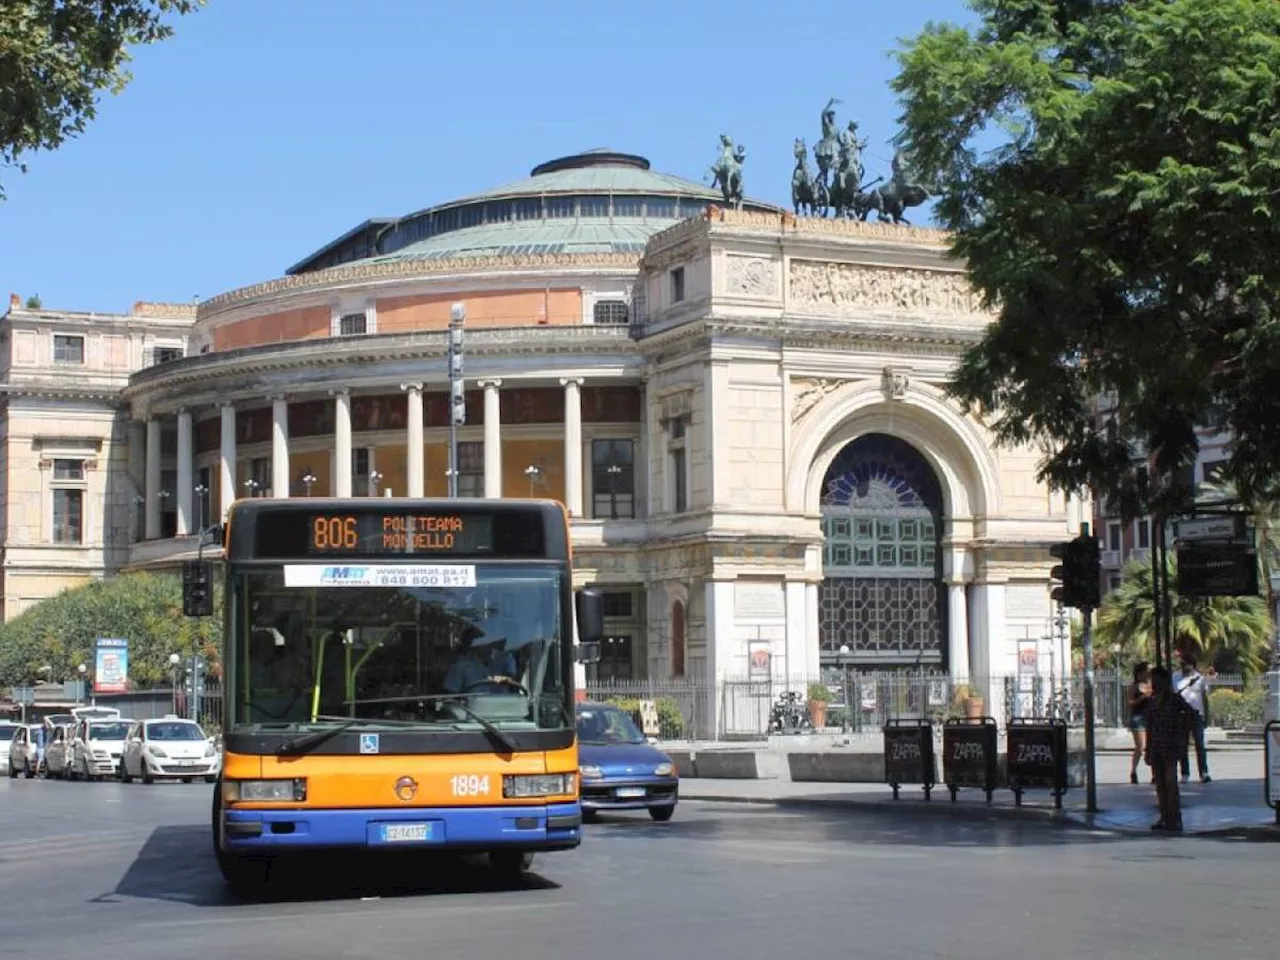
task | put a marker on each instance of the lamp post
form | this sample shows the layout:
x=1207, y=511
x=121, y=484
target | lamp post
x=374, y=479
x=457, y=394
x=200, y=491
x=532, y=472
x=174, y=660
x=308, y=480
x=614, y=471
x=139, y=522
x=84, y=675
x=846, y=724
x=251, y=486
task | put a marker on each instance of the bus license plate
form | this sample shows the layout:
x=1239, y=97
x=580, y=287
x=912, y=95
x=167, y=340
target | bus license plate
x=406, y=832
x=625, y=793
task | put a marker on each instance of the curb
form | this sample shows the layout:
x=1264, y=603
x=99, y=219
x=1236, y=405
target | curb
x=1072, y=819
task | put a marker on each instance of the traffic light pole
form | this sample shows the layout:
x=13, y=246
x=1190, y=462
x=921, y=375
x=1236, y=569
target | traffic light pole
x=1090, y=742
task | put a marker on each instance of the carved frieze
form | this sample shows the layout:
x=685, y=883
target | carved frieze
x=808, y=392
x=838, y=287
x=751, y=276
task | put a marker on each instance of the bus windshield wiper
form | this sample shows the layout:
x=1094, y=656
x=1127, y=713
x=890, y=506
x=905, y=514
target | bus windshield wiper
x=458, y=699
x=305, y=742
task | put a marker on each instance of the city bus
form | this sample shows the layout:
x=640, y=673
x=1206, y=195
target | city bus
x=397, y=674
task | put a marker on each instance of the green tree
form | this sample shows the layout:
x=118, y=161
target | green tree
x=1110, y=170
x=57, y=56
x=145, y=608
x=1232, y=633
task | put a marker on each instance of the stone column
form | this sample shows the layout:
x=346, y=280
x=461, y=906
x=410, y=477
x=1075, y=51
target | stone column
x=958, y=630
x=415, y=469
x=492, y=440
x=185, y=483
x=573, y=444
x=279, y=447
x=227, y=460
x=342, y=463
x=151, y=526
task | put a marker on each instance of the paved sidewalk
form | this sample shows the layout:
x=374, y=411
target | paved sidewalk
x=1230, y=806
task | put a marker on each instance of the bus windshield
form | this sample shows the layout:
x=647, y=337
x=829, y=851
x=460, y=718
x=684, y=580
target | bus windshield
x=405, y=655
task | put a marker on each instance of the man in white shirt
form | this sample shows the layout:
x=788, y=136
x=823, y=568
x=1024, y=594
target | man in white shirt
x=1191, y=685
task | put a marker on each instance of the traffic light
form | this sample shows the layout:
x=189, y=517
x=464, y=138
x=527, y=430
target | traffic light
x=197, y=588
x=1080, y=572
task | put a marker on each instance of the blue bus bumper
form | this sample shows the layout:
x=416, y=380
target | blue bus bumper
x=551, y=827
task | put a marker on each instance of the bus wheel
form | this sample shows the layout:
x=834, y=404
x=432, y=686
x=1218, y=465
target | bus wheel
x=246, y=878
x=510, y=864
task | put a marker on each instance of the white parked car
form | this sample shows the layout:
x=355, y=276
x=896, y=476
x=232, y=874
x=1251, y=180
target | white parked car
x=7, y=730
x=57, y=751
x=26, y=751
x=170, y=747
x=97, y=747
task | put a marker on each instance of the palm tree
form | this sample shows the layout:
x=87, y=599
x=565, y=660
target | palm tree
x=1232, y=633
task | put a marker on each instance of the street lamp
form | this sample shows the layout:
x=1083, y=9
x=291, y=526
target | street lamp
x=200, y=491
x=84, y=671
x=374, y=478
x=532, y=472
x=614, y=471
x=251, y=485
x=174, y=660
x=308, y=481
x=457, y=390
x=847, y=723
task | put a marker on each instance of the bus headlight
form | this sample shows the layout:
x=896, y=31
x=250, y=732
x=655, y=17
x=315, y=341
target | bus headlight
x=590, y=772
x=235, y=791
x=537, y=785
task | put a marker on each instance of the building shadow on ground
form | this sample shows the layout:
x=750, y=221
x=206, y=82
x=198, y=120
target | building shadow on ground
x=176, y=864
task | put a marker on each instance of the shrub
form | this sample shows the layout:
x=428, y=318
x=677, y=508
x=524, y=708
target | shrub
x=671, y=723
x=1232, y=710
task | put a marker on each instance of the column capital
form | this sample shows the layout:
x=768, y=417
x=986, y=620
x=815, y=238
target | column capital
x=278, y=397
x=490, y=382
x=575, y=381
x=339, y=391
x=411, y=387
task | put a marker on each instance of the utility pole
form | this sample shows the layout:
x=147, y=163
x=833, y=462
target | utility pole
x=457, y=392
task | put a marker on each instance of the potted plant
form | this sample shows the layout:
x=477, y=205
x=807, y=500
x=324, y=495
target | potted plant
x=819, y=697
x=966, y=701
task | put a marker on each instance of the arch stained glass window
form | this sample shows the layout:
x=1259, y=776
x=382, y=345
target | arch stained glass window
x=881, y=523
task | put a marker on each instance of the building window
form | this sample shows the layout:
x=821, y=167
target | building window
x=1144, y=534
x=68, y=469
x=68, y=349
x=166, y=354
x=593, y=206
x=559, y=207
x=68, y=515
x=613, y=479
x=677, y=284
x=1114, y=540
x=353, y=324
x=617, y=605
x=610, y=313
x=677, y=639
x=471, y=468
x=1113, y=582
x=628, y=207
x=659, y=208
x=677, y=460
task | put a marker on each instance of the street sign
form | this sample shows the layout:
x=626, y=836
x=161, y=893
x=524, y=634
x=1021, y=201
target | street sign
x=1211, y=528
x=1217, y=570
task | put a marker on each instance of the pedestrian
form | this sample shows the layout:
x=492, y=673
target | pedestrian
x=1168, y=722
x=1192, y=686
x=1139, y=694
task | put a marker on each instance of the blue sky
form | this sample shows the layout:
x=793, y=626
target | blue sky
x=265, y=128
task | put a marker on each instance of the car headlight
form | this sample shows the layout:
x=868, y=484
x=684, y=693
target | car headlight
x=664, y=769
x=101, y=755
x=235, y=791
x=537, y=785
x=590, y=772
x=156, y=751
x=209, y=750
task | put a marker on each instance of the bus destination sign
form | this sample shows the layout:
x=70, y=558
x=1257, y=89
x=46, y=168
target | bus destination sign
x=398, y=533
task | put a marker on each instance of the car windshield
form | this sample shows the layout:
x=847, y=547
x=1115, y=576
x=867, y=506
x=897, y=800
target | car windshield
x=108, y=731
x=607, y=725
x=174, y=730
x=399, y=654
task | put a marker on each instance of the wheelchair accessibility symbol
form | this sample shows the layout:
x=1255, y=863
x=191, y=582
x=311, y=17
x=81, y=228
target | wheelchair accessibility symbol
x=368, y=743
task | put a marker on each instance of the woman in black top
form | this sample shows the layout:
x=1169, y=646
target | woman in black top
x=1139, y=696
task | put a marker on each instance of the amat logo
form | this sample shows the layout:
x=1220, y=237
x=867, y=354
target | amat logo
x=343, y=574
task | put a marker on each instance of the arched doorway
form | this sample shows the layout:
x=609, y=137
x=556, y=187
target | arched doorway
x=881, y=593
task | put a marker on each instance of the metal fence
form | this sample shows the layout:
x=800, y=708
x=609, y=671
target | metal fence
x=854, y=702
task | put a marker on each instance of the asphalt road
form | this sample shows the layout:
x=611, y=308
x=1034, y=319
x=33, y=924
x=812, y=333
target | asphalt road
x=125, y=871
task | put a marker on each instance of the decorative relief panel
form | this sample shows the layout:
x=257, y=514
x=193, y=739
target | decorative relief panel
x=808, y=392
x=849, y=286
x=751, y=276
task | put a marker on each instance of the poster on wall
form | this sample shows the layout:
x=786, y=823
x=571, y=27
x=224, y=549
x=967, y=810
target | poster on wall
x=758, y=661
x=111, y=665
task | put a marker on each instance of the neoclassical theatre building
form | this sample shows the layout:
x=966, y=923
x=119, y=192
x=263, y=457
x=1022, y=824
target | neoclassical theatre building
x=743, y=412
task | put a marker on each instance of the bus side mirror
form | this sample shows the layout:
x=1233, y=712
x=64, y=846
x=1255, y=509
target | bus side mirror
x=590, y=611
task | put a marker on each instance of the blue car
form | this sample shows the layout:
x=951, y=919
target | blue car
x=620, y=769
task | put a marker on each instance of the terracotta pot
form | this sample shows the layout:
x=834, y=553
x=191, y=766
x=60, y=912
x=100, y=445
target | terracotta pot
x=975, y=708
x=818, y=713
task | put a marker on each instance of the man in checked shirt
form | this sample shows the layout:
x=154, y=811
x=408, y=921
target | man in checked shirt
x=1168, y=723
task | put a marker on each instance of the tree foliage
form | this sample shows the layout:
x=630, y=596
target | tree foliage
x=145, y=608
x=1232, y=633
x=1123, y=224
x=57, y=56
